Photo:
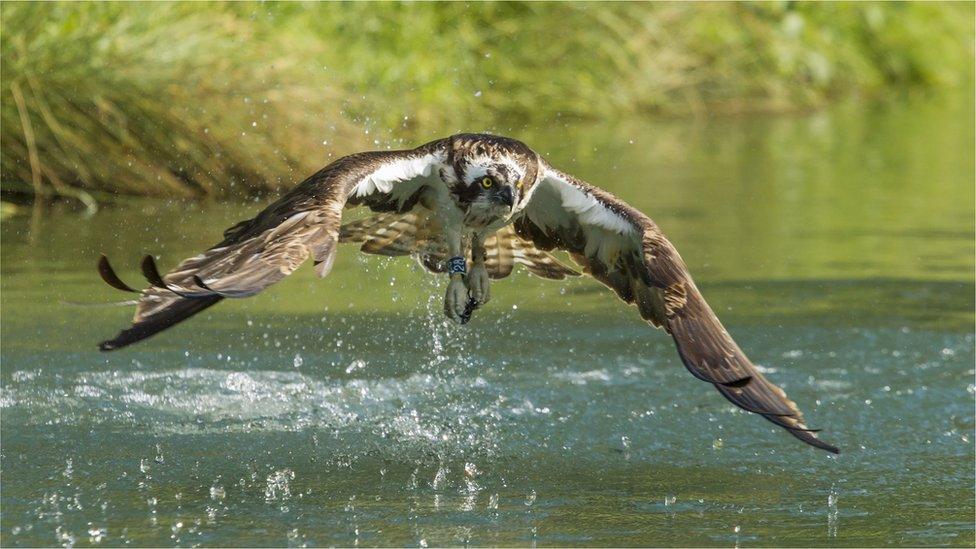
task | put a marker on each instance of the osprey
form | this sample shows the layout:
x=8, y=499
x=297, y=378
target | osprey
x=471, y=206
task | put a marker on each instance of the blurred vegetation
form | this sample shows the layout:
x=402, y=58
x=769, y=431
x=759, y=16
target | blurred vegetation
x=206, y=99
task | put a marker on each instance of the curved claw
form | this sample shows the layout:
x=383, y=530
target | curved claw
x=469, y=309
x=107, y=273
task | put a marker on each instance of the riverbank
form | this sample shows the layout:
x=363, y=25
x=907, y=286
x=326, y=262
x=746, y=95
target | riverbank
x=195, y=100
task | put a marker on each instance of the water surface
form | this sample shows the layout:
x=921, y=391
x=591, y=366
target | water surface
x=837, y=247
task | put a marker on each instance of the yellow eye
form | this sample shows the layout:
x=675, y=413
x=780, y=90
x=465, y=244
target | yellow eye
x=519, y=185
x=487, y=182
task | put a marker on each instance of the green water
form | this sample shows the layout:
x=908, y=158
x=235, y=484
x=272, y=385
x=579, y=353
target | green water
x=837, y=247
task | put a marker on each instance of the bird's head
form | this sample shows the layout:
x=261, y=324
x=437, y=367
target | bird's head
x=491, y=175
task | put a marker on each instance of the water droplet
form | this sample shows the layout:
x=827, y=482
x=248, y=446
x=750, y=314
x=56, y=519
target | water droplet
x=278, y=485
x=355, y=365
x=95, y=534
x=832, y=513
x=439, y=477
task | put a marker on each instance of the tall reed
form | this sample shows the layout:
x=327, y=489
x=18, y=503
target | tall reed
x=226, y=99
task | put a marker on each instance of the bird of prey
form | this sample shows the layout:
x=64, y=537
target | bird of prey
x=471, y=206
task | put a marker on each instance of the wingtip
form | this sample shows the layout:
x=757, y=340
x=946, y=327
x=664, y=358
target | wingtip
x=810, y=438
x=151, y=272
x=828, y=447
x=112, y=344
x=178, y=311
x=108, y=274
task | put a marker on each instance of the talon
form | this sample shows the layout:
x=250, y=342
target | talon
x=468, y=311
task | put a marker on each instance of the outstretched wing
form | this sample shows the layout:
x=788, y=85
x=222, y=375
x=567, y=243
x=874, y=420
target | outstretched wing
x=261, y=251
x=626, y=251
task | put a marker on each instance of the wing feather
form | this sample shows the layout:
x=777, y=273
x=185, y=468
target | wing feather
x=359, y=231
x=540, y=263
x=417, y=233
x=303, y=224
x=626, y=251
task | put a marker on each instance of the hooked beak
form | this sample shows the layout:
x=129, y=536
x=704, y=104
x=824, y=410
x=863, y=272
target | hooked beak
x=505, y=197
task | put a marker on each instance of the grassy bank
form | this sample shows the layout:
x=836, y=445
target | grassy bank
x=214, y=99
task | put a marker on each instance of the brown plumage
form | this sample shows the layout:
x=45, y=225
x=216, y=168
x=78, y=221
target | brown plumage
x=409, y=234
x=411, y=191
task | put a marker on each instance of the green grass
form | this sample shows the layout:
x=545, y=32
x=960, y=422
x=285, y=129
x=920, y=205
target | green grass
x=216, y=100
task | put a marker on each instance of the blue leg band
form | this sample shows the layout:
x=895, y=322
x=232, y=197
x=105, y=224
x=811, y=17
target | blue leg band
x=457, y=265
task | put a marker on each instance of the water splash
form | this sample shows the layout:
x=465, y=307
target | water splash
x=832, y=512
x=279, y=485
